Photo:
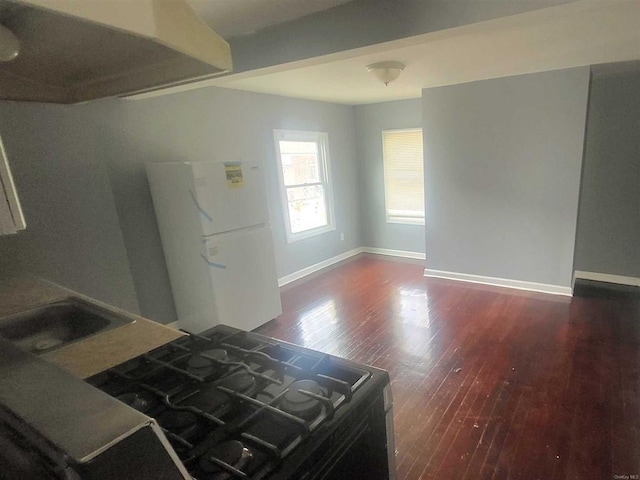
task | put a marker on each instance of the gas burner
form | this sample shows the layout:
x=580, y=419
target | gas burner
x=231, y=452
x=210, y=399
x=201, y=366
x=239, y=382
x=300, y=404
x=176, y=420
x=141, y=401
x=207, y=398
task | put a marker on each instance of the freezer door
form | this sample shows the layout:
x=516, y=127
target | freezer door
x=243, y=277
x=229, y=196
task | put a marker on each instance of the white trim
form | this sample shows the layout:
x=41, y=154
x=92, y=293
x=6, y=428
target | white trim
x=605, y=277
x=501, y=282
x=394, y=253
x=292, y=277
x=397, y=220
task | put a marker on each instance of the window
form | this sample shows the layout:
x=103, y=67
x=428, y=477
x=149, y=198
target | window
x=303, y=158
x=403, y=176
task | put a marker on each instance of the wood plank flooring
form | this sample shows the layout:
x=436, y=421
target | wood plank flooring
x=488, y=383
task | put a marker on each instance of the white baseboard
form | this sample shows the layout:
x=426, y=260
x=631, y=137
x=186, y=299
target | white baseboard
x=500, y=282
x=292, y=277
x=605, y=277
x=394, y=253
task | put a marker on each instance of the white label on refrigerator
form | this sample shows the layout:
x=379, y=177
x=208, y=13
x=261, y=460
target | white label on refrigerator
x=233, y=172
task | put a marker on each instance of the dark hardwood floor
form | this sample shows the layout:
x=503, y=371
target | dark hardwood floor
x=488, y=383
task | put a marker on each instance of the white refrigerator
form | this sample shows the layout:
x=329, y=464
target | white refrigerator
x=215, y=230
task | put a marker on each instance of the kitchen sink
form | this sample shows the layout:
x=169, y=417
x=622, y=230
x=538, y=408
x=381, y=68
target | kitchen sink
x=48, y=327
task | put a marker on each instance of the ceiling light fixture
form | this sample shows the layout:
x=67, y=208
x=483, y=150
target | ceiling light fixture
x=386, y=72
x=9, y=45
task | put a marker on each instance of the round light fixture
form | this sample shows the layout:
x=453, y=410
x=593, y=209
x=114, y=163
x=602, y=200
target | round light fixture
x=9, y=45
x=386, y=72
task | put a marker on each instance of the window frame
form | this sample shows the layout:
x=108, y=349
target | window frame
x=324, y=167
x=392, y=218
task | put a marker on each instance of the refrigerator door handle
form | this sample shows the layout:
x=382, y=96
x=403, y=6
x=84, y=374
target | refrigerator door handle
x=201, y=210
x=212, y=264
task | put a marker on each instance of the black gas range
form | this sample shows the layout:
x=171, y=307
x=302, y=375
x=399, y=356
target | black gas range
x=236, y=404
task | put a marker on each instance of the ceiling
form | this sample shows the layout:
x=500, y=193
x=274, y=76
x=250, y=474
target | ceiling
x=587, y=32
x=231, y=18
x=580, y=33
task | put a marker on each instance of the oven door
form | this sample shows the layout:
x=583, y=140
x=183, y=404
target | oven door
x=357, y=458
x=362, y=452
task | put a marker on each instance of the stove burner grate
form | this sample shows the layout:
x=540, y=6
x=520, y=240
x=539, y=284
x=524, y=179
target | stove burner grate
x=209, y=391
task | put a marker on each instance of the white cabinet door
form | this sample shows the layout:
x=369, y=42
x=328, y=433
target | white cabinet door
x=11, y=218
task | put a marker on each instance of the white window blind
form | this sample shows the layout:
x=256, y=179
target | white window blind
x=403, y=176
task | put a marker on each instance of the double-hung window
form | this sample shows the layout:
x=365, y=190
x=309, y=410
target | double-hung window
x=303, y=161
x=403, y=176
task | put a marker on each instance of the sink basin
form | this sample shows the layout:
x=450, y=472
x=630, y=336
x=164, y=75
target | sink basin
x=48, y=327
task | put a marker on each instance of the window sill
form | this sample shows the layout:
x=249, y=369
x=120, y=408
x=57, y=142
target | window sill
x=295, y=237
x=406, y=221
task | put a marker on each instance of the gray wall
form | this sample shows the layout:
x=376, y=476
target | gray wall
x=608, y=239
x=73, y=236
x=502, y=175
x=366, y=22
x=77, y=166
x=371, y=120
x=219, y=125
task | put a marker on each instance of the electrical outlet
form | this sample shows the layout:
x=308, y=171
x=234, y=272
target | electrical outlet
x=342, y=236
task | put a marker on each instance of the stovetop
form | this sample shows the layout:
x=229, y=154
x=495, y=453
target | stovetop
x=235, y=404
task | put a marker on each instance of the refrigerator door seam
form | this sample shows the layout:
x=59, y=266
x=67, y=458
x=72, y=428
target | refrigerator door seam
x=238, y=230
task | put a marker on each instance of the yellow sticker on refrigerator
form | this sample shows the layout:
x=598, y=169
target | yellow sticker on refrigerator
x=234, y=174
